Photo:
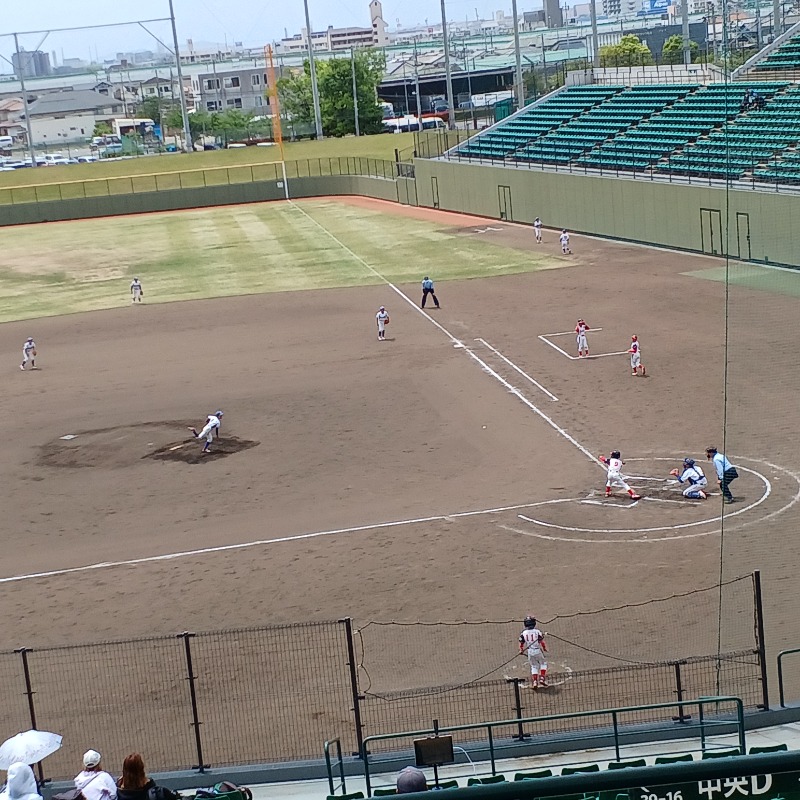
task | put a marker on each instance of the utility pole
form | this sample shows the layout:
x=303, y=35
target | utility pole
x=28, y=125
x=448, y=77
x=187, y=133
x=595, y=45
x=519, y=89
x=355, y=88
x=687, y=45
x=313, y=69
x=416, y=83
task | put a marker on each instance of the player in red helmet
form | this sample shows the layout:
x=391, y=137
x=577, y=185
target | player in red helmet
x=614, y=464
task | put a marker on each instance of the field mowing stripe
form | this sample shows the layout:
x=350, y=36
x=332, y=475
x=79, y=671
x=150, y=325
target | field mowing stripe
x=456, y=342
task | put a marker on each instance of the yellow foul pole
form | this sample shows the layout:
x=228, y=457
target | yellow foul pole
x=272, y=93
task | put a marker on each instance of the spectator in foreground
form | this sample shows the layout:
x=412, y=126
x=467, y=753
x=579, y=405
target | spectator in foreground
x=20, y=784
x=411, y=779
x=135, y=784
x=94, y=783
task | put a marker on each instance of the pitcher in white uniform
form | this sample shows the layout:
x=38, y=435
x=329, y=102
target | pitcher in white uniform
x=213, y=421
x=532, y=644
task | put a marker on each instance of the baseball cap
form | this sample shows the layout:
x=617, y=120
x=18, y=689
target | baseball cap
x=91, y=758
x=411, y=779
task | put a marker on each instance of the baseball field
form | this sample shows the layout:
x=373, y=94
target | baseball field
x=447, y=473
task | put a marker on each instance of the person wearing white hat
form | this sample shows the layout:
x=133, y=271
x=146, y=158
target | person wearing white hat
x=94, y=783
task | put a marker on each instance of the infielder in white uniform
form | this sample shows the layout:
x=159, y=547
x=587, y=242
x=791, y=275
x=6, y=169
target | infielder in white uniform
x=531, y=642
x=537, y=230
x=636, y=356
x=564, y=239
x=382, y=320
x=137, y=292
x=580, y=338
x=28, y=353
x=213, y=421
x=695, y=477
x=614, y=477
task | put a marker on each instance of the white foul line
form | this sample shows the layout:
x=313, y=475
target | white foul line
x=556, y=347
x=514, y=366
x=544, y=338
x=456, y=342
x=261, y=542
x=570, y=333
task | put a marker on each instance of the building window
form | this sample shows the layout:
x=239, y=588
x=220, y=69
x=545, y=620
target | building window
x=232, y=83
x=255, y=80
x=211, y=84
x=235, y=102
x=211, y=105
x=259, y=100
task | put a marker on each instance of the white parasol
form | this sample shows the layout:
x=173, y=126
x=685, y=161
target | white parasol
x=28, y=747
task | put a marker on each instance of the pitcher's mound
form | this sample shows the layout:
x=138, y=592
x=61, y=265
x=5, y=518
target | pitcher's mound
x=191, y=452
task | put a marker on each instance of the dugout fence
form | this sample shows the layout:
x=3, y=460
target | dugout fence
x=273, y=693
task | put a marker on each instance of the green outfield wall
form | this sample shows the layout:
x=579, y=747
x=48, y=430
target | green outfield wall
x=750, y=225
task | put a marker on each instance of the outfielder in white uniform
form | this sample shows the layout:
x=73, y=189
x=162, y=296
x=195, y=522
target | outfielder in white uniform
x=137, y=292
x=213, y=421
x=580, y=338
x=694, y=477
x=564, y=239
x=382, y=320
x=636, y=356
x=28, y=353
x=532, y=644
x=537, y=230
x=614, y=477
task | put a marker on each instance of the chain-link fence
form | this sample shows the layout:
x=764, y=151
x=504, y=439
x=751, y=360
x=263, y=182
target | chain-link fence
x=275, y=693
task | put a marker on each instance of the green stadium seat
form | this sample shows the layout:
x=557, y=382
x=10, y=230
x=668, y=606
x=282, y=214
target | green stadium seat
x=527, y=776
x=578, y=770
x=775, y=748
x=486, y=781
x=721, y=753
x=383, y=792
x=452, y=784
x=351, y=796
x=674, y=759
x=637, y=762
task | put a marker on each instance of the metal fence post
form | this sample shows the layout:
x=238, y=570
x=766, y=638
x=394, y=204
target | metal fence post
x=760, y=644
x=23, y=651
x=191, y=677
x=351, y=662
x=515, y=682
x=679, y=692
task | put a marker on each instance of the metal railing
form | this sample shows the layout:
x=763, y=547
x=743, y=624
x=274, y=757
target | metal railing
x=198, y=178
x=610, y=716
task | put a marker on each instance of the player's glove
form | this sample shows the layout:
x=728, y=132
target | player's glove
x=33, y=353
x=674, y=473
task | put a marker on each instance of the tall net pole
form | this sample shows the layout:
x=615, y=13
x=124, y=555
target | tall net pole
x=28, y=126
x=313, y=69
x=187, y=134
x=272, y=93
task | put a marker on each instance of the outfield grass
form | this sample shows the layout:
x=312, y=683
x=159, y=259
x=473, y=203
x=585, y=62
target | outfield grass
x=65, y=267
x=378, y=146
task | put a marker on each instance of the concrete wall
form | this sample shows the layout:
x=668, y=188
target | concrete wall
x=199, y=197
x=672, y=215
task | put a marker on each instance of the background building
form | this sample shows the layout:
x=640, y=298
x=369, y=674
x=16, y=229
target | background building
x=31, y=64
x=245, y=89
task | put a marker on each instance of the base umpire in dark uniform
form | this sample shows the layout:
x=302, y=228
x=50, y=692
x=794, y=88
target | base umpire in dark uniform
x=427, y=289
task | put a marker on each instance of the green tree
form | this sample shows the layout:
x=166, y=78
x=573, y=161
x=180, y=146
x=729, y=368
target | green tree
x=336, y=93
x=672, y=52
x=628, y=52
x=199, y=122
x=102, y=129
x=295, y=96
x=153, y=108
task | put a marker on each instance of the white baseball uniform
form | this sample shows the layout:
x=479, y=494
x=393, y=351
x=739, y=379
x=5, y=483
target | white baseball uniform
x=636, y=355
x=27, y=351
x=696, y=479
x=564, y=239
x=580, y=337
x=211, y=425
x=382, y=317
x=531, y=642
x=136, y=290
x=537, y=229
x=614, y=474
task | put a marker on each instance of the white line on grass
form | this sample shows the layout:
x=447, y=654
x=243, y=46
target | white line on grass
x=262, y=542
x=514, y=366
x=456, y=342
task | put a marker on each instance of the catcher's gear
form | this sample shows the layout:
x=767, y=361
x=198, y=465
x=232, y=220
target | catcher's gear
x=615, y=454
x=688, y=462
x=529, y=622
x=674, y=472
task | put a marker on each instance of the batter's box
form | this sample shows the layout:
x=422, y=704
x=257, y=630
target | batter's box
x=546, y=337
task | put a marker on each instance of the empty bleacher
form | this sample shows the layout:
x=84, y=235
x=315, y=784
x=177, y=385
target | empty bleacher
x=785, y=57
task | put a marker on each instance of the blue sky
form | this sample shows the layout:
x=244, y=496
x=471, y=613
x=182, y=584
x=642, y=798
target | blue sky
x=254, y=22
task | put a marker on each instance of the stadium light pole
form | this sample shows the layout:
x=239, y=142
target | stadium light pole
x=519, y=89
x=187, y=133
x=777, y=26
x=687, y=46
x=313, y=70
x=595, y=46
x=448, y=76
x=28, y=125
x=355, y=88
